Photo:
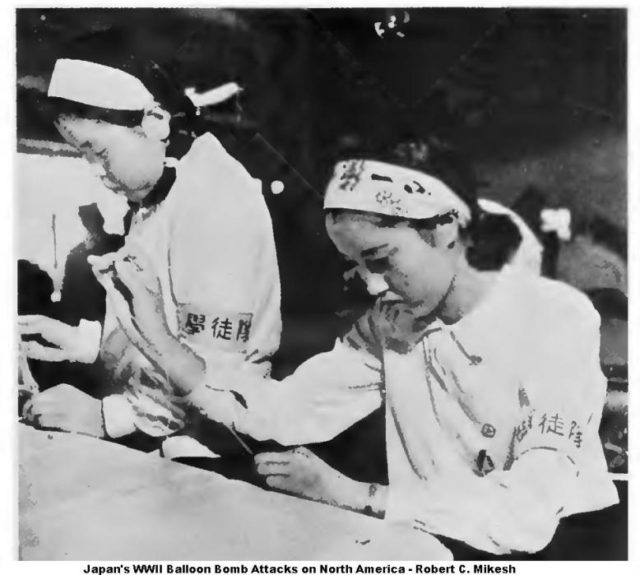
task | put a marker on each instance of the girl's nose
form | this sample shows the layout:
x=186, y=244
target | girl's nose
x=376, y=284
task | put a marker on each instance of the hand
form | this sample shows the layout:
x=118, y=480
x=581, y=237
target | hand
x=401, y=327
x=134, y=291
x=67, y=342
x=135, y=294
x=26, y=382
x=301, y=472
x=27, y=385
x=65, y=408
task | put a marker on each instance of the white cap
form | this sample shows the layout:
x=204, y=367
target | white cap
x=97, y=85
x=381, y=188
x=213, y=96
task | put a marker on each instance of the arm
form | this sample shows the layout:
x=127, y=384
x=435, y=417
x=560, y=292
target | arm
x=327, y=394
x=79, y=343
x=264, y=331
x=224, y=272
x=513, y=510
x=556, y=468
x=302, y=473
x=223, y=283
x=324, y=396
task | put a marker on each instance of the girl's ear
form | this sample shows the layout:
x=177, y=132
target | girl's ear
x=156, y=123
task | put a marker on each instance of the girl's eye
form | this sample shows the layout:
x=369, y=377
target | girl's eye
x=378, y=265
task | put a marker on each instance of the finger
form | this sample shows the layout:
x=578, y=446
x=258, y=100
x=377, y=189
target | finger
x=130, y=274
x=36, y=410
x=52, y=330
x=101, y=264
x=277, y=458
x=104, y=277
x=27, y=410
x=278, y=482
x=27, y=382
x=133, y=260
x=122, y=310
x=30, y=324
x=304, y=452
x=272, y=468
x=50, y=421
x=113, y=294
x=138, y=279
x=35, y=350
x=31, y=319
x=33, y=421
x=140, y=253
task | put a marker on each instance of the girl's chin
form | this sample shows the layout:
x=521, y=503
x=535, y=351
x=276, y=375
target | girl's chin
x=109, y=183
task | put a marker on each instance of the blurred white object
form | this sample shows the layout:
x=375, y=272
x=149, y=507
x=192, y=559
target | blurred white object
x=277, y=187
x=58, y=185
x=185, y=446
x=214, y=96
x=558, y=221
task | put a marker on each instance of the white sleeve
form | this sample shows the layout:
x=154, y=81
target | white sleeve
x=324, y=396
x=223, y=293
x=224, y=272
x=557, y=466
x=266, y=326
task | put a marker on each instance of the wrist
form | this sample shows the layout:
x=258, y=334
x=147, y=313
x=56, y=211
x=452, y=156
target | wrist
x=219, y=405
x=373, y=499
x=184, y=368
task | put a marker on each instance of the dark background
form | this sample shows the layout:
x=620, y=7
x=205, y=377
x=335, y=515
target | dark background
x=536, y=97
x=509, y=84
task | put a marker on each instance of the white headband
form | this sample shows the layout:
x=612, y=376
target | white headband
x=97, y=85
x=381, y=188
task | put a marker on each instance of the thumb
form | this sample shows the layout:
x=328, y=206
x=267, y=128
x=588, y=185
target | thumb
x=114, y=295
x=101, y=263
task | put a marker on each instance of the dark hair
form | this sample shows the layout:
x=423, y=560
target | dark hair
x=184, y=123
x=495, y=238
x=610, y=303
x=529, y=206
x=127, y=118
x=492, y=238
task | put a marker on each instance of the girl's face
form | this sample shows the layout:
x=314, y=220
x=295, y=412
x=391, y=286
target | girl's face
x=126, y=160
x=397, y=263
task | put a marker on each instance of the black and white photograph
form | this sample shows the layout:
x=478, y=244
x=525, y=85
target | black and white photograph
x=321, y=284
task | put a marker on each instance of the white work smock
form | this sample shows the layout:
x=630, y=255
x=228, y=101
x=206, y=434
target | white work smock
x=211, y=242
x=492, y=422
